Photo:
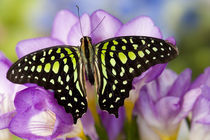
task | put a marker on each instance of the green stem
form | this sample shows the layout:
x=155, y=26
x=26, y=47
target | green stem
x=101, y=131
x=131, y=130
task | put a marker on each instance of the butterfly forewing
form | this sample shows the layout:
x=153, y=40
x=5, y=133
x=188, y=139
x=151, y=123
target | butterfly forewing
x=120, y=60
x=55, y=68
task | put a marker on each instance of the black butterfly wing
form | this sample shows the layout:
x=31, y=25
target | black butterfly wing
x=119, y=60
x=55, y=68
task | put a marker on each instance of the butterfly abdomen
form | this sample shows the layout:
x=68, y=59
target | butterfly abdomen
x=87, y=53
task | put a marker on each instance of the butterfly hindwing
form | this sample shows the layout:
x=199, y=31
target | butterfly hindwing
x=55, y=68
x=120, y=60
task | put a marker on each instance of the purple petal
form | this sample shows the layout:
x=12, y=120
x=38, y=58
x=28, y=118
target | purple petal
x=150, y=74
x=166, y=79
x=181, y=85
x=153, y=88
x=75, y=138
x=155, y=72
x=35, y=107
x=201, y=110
x=167, y=107
x=204, y=78
x=34, y=127
x=25, y=47
x=88, y=125
x=141, y=26
x=4, y=59
x=146, y=107
x=103, y=25
x=147, y=76
x=159, y=87
x=206, y=91
x=29, y=97
x=6, y=87
x=5, y=119
x=171, y=40
x=40, y=98
x=186, y=104
x=63, y=23
x=63, y=125
x=113, y=125
x=77, y=32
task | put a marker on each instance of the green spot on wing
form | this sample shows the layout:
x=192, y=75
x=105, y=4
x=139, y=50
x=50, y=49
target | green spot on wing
x=73, y=61
x=50, y=51
x=33, y=68
x=104, y=71
x=66, y=68
x=52, y=58
x=105, y=45
x=42, y=59
x=47, y=67
x=123, y=57
x=113, y=48
x=65, y=60
x=58, y=50
x=39, y=68
x=75, y=75
x=143, y=42
x=62, y=55
x=131, y=55
x=141, y=54
x=68, y=50
x=56, y=66
x=113, y=62
x=124, y=40
x=115, y=42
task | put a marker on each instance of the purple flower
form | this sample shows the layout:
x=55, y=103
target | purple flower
x=164, y=103
x=39, y=115
x=200, y=124
x=43, y=117
x=4, y=98
x=7, y=94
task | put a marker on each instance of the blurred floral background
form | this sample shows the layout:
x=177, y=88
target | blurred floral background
x=188, y=21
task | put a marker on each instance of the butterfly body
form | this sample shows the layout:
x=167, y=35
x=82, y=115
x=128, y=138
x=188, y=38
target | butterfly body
x=111, y=64
x=87, y=52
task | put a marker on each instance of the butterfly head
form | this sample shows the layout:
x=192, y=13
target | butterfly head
x=86, y=46
x=85, y=39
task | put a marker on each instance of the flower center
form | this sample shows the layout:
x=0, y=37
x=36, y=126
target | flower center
x=43, y=123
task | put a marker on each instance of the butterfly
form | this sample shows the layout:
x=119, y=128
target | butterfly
x=111, y=65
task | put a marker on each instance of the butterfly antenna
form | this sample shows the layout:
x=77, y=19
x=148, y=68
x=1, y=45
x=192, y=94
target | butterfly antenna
x=97, y=25
x=79, y=20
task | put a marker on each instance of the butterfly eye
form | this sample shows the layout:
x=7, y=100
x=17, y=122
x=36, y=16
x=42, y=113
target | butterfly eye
x=81, y=40
x=89, y=38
